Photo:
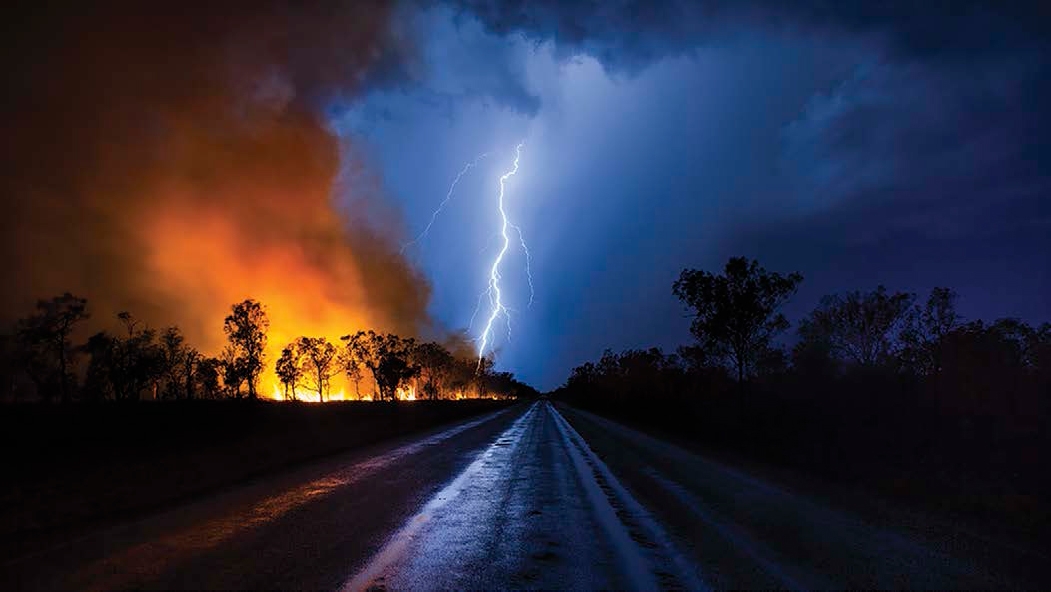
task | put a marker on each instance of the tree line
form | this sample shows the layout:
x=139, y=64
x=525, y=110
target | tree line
x=736, y=318
x=41, y=360
x=877, y=386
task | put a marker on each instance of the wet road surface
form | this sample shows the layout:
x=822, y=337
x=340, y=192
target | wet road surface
x=521, y=498
x=533, y=510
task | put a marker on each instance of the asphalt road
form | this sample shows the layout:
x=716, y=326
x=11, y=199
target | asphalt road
x=521, y=498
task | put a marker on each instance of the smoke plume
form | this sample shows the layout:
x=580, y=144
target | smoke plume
x=173, y=158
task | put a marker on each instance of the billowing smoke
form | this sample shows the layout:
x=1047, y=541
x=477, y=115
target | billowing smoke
x=172, y=158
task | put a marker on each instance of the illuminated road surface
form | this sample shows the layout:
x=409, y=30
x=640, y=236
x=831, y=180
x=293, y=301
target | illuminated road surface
x=533, y=510
x=517, y=499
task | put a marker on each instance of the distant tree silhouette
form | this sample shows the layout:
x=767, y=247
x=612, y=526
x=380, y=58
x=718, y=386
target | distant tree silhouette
x=435, y=363
x=481, y=368
x=44, y=347
x=388, y=357
x=140, y=362
x=233, y=370
x=318, y=358
x=992, y=371
x=288, y=370
x=735, y=315
x=859, y=328
x=695, y=358
x=462, y=376
x=504, y=385
x=884, y=394
x=173, y=358
x=583, y=376
x=395, y=365
x=245, y=329
x=351, y=363
x=141, y=359
x=190, y=360
x=98, y=384
x=206, y=375
x=125, y=367
x=635, y=375
x=925, y=331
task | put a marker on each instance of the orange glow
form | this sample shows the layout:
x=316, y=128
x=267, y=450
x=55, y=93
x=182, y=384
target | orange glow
x=309, y=396
x=277, y=393
x=309, y=286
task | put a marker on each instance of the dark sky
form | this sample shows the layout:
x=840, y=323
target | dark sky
x=857, y=143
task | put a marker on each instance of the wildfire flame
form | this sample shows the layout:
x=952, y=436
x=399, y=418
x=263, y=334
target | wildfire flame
x=179, y=191
x=407, y=393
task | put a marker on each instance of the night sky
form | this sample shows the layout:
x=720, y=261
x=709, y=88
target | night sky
x=856, y=144
x=170, y=161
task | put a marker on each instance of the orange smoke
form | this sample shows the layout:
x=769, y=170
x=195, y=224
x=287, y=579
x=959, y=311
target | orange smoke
x=171, y=162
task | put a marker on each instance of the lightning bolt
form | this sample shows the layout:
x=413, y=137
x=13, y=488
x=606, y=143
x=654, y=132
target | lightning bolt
x=448, y=196
x=492, y=290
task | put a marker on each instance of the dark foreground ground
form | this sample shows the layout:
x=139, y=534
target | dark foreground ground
x=531, y=496
x=70, y=468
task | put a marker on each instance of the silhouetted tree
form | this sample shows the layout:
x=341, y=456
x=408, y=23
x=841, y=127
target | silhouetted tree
x=173, y=353
x=97, y=379
x=142, y=358
x=318, y=358
x=245, y=329
x=395, y=365
x=582, y=378
x=990, y=371
x=859, y=328
x=736, y=313
x=812, y=356
x=388, y=357
x=232, y=368
x=288, y=370
x=502, y=385
x=435, y=363
x=483, y=367
x=44, y=346
x=926, y=328
x=124, y=366
x=190, y=359
x=695, y=359
x=351, y=364
x=462, y=376
x=206, y=375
